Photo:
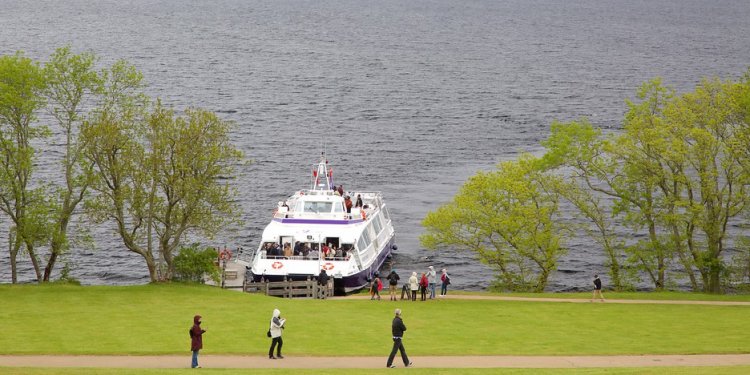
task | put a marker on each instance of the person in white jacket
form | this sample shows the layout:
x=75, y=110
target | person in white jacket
x=277, y=325
x=432, y=278
x=414, y=285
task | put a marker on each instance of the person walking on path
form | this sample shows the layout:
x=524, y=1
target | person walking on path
x=277, y=325
x=431, y=278
x=397, y=329
x=393, y=284
x=597, y=289
x=413, y=285
x=423, y=286
x=196, y=340
x=446, y=280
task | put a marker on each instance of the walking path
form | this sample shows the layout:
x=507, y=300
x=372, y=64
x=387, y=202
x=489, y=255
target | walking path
x=573, y=300
x=227, y=361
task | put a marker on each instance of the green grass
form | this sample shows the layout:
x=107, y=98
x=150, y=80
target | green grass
x=154, y=319
x=677, y=296
x=735, y=370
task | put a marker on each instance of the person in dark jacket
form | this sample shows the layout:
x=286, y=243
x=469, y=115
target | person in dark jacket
x=393, y=284
x=397, y=329
x=323, y=283
x=597, y=289
x=196, y=339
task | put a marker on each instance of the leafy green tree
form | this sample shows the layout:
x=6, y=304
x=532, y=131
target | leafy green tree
x=72, y=83
x=675, y=174
x=160, y=176
x=21, y=85
x=577, y=148
x=111, y=143
x=508, y=218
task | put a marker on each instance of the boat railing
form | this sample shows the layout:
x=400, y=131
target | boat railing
x=355, y=215
x=300, y=257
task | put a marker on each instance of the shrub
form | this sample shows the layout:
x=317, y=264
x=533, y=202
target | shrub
x=192, y=264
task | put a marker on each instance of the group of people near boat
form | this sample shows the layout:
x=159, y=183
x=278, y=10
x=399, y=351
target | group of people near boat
x=306, y=251
x=422, y=284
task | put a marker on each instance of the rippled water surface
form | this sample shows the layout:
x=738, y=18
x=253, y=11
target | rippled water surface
x=409, y=97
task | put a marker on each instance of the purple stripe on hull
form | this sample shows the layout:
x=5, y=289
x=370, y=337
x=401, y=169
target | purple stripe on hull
x=315, y=221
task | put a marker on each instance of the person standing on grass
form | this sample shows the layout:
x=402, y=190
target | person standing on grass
x=423, y=286
x=432, y=278
x=446, y=280
x=277, y=325
x=397, y=330
x=377, y=285
x=597, y=289
x=196, y=339
x=413, y=285
x=393, y=284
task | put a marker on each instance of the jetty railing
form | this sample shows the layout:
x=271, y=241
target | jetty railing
x=308, y=288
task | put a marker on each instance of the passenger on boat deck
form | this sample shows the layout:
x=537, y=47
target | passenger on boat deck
x=359, y=201
x=314, y=254
x=297, y=248
x=326, y=249
x=348, y=204
x=287, y=250
x=276, y=250
x=341, y=190
x=306, y=249
x=338, y=252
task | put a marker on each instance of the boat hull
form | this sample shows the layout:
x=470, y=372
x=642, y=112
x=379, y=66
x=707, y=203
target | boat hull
x=349, y=283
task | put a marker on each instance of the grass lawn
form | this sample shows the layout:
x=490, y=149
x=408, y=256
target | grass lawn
x=737, y=370
x=154, y=319
x=678, y=296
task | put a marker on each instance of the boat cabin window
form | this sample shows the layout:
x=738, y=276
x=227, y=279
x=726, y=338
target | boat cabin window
x=338, y=207
x=377, y=224
x=272, y=249
x=314, y=207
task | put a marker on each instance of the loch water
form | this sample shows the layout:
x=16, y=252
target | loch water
x=407, y=97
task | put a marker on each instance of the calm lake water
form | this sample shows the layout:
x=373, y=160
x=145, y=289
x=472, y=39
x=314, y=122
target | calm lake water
x=408, y=97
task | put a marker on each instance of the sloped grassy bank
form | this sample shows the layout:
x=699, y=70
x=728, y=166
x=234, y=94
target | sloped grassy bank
x=154, y=319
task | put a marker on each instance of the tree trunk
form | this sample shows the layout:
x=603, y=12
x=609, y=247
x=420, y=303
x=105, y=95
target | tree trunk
x=34, y=261
x=50, y=266
x=13, y=247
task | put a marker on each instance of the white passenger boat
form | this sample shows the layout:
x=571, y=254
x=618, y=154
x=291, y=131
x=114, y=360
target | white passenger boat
x=314, y=230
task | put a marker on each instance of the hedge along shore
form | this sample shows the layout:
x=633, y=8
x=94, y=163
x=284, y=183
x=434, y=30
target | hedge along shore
x=224, y=361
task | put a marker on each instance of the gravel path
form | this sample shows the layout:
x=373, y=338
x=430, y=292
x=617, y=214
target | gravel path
x=225, y=361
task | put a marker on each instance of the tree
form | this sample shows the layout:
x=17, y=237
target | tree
x=71, y=83
x=190, y=156
x=111, y=140
x=158, y=173
x=676, y=175
x=21, y=84
x=508, y=218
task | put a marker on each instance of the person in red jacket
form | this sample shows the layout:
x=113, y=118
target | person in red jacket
x=423, y=283
x=196, y=339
